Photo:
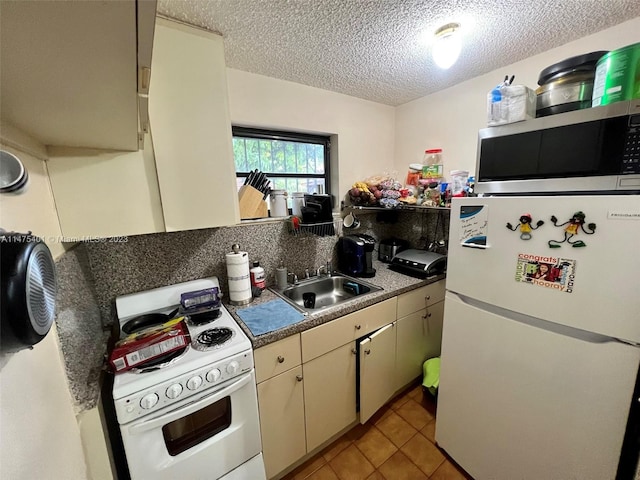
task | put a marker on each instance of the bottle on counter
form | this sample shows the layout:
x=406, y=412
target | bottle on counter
x=445, y=195
x=432, y=168
x=281, y=276
x=432, y=195
x=258, y=278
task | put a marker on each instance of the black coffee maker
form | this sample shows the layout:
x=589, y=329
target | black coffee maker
x=355, y=255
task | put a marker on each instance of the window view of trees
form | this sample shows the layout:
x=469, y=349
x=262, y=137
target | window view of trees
x=293, y=162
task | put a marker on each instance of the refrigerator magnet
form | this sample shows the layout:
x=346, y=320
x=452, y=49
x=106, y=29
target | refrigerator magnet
x=474, y=220
x=546, y=271
x=572, y=228
x=525, y=226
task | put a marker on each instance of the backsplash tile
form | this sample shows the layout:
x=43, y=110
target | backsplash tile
x=79, y=327
x=150, y=261
x=155, y=260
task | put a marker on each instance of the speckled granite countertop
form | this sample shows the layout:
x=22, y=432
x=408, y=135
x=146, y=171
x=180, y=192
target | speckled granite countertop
x=392, y=283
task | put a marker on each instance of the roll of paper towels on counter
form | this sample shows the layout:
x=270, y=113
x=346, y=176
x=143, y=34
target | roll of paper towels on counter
x=238, y=276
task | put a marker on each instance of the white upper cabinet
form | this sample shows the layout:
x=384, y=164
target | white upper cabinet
x=191, y=128
x=105, y=193
x=69, y=72
x=184, y=177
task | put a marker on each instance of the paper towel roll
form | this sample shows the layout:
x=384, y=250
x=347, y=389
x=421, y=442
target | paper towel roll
x=238, y=276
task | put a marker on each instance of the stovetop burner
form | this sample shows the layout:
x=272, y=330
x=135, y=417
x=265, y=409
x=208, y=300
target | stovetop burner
x=213, y=338
x=203, y=317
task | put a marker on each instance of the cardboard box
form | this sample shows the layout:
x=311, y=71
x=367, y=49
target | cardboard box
x=148, y=344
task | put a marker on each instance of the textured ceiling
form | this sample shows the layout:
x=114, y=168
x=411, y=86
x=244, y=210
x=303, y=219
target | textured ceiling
x=375, y=49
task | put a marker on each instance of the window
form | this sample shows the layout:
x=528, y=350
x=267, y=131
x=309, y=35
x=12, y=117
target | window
x=294, y=162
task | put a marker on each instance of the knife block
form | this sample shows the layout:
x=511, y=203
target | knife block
x=251, y=203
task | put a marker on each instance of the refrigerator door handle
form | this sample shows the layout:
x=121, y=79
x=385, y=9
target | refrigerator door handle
x=557, y=328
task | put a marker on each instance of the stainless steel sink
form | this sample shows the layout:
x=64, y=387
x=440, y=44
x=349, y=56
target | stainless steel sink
x=328, y=290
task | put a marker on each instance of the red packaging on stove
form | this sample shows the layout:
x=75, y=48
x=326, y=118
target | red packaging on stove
x=148, y=344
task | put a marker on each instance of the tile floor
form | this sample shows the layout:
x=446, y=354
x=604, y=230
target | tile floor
x=397, y=443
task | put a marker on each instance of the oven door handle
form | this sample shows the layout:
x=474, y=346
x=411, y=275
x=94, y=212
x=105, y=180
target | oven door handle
x=189, y=407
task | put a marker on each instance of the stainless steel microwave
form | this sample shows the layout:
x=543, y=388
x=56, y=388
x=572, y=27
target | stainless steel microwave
x=593, y=150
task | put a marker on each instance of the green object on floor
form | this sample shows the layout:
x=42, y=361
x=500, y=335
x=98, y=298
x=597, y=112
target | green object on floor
x=431, y=378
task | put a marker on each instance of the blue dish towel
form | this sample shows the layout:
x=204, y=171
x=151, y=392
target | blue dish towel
x=269, y=316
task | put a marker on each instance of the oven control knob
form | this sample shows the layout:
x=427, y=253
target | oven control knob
x=194, y=382
x=149, y=401
x=174, y=391
x=214, y=375
x=232, y=368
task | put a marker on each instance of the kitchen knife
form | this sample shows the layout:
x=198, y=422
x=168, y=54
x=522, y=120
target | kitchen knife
x=249, y=178
x=256, y=181
x=254, y=176
x=259, y=180
x=265, y=186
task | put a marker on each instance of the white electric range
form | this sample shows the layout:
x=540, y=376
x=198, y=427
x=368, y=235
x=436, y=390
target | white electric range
x=195, y=414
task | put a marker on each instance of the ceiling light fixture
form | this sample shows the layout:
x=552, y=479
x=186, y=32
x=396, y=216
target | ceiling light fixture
x=447, y=45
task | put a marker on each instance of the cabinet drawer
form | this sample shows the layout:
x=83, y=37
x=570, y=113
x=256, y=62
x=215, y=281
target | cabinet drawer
x=326, y=337
x=277, y=357
x=383, y=314
x=411, y=302
x=333, y=334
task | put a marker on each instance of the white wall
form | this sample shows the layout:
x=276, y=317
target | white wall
x=34, y=209
x=365, y=129
x=39, y=435
x=450, y=119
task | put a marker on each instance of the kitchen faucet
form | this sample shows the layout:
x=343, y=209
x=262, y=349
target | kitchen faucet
x=295, y=278
x=327, y=269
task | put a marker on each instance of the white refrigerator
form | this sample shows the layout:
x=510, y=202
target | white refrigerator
x=541, y=337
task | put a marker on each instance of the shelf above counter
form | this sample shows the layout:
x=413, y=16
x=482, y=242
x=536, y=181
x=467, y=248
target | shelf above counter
x=399, y=208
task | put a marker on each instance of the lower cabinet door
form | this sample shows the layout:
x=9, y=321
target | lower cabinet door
x=329, y=394
x=280, y=400
x=377, y=370
x=419, y=338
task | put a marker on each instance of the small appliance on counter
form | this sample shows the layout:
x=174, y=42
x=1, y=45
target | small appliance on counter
x=419, y=263
x=390, y=247
x=355, y=254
